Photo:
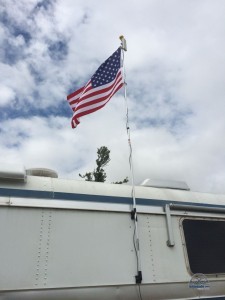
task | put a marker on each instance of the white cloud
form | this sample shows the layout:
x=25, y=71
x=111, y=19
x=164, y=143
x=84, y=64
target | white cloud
x=7, y=95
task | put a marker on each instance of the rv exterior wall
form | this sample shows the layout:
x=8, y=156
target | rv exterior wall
x=63, y=249
x=65, y=239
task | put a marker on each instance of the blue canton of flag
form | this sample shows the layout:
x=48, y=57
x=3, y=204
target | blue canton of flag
x=107, y=71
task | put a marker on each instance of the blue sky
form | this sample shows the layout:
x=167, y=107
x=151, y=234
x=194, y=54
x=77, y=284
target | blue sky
x=175, y=72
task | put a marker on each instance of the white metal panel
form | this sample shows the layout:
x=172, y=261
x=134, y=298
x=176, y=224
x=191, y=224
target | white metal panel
x=43, y=248
x=91, y=248
x=161, y=263
x=19, y=236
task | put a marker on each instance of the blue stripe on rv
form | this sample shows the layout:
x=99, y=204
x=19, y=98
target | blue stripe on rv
x=92, y=198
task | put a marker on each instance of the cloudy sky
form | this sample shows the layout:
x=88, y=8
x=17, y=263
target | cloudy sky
x=175, y=68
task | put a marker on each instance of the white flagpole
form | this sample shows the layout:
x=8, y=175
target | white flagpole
x=138, y=277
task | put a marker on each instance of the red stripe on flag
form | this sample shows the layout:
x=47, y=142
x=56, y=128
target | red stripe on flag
x=74, y=94
x=103, y=89
x=78, y=114
x=99, y=98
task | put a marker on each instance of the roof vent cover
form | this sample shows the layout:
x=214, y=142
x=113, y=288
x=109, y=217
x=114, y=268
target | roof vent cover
x=12, y=172
x=166, y=184
x=42, y=172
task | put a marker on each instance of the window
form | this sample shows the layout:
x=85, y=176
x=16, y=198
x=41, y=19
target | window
x=205, y=242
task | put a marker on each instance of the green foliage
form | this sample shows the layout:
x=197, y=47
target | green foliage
x=87, y=176
x=123, y=181
x=99, y=174
x=103, y=158
x=101, y=162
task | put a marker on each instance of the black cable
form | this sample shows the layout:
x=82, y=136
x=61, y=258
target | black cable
x=135, y=248
x=139, y=291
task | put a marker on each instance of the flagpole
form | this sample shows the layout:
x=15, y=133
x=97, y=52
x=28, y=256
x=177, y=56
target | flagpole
x=138, y=277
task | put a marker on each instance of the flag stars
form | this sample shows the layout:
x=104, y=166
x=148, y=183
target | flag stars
x=107, y=71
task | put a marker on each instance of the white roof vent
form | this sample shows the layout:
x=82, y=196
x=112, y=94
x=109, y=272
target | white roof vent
x=42, y=172
x=166, y=184
x=12, y=172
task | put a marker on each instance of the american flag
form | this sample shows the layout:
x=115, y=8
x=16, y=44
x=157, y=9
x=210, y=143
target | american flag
x=106, y=81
